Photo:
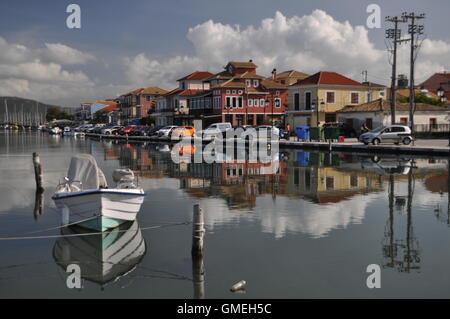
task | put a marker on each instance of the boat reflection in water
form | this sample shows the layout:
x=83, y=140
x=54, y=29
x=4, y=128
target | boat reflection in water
x=102, y=257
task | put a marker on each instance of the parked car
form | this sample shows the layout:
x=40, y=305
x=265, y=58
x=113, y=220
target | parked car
x=108, y=130
x=128, y=130
x=140, y=131
x=153, y=130
x=183, y=131
x=388, y=134
x=346, y=129
x=97, y=129
x=165, y=131
x=83, y=128
x=214, y=130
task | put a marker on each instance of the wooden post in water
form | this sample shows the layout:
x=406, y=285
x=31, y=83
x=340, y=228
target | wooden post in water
x=198, y=231
x=37, y=172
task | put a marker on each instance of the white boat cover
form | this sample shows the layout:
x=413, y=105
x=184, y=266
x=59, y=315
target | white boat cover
x=83, y=168
x=123, y=174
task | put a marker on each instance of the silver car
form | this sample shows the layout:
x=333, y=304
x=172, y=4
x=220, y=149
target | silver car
x=388, y=134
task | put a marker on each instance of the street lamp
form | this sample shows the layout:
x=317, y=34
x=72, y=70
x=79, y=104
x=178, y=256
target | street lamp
x=316, y=107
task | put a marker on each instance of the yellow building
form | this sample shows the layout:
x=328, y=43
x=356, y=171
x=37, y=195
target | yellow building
x=315, y=100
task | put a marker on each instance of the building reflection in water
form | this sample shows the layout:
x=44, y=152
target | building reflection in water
x=338, y=186
x=102, y=258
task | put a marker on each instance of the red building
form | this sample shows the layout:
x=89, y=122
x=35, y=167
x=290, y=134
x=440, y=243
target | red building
x=146, y=100
x=240, y=96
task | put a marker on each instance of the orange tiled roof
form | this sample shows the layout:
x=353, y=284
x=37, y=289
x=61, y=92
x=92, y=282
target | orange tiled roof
x=292, y=74
x=197, y=75
x=174, y=91
x=243, y=64
x=269, y=84
x=381, y=105
x=327, y=78
x=109, y=108
x=153, y=90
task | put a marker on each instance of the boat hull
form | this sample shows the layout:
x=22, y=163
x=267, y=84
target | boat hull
x=99, y=210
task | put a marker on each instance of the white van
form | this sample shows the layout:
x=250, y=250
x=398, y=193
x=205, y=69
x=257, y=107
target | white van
x=215, y=129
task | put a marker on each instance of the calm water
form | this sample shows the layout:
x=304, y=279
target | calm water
x=305, y=226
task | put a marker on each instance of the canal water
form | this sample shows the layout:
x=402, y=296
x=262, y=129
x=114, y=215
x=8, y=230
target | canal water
x=306, y=225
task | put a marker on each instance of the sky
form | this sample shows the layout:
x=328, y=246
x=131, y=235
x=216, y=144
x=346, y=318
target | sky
x=124, y=45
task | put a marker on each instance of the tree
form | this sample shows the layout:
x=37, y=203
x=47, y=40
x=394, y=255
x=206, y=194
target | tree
x=55, y=113
x=423, y=98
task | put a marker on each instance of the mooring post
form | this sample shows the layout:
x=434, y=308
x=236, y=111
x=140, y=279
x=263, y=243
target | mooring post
x=198, y=231
x=38, y=172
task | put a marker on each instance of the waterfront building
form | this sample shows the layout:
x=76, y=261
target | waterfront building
x=316, y=99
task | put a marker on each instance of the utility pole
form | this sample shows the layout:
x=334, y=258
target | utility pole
x=394, y=34
x=413, y=29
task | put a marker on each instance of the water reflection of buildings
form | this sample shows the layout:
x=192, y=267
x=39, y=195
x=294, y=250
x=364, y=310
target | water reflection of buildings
x=315, y=176
x=300, y=191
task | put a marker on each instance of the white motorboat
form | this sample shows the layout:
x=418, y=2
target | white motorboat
x=85, y=198
x=104, y=257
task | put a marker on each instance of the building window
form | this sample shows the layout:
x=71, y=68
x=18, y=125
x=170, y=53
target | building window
x=234, y=91
x=240, y=92
x=256, y=102
x=277, y=102
x=147, y=98
x=330, y=182
x=250, y=102
x=330, y=98
x=261, y=102
x=277, y=92
x=228, y=91
x=255, y=83
x=228, y=102
x=353, y=181
x=433, y=122
x=248, y=83
x=382, y=93
x=297, y=101
x=354, y=98
x=234, y=102
x=240, y=102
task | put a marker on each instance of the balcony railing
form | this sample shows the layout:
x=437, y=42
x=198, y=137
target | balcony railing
x=431, y=128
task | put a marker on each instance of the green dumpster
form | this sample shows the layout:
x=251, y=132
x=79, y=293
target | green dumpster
x=316, y=133
x=332, y=133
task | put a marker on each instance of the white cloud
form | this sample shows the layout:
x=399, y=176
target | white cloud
x=38, y=73
x=66, y=55
x=310, y=43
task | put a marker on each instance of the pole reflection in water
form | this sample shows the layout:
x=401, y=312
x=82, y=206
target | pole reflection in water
x=38, y=204
x=410, y=258
x=198, y=275
x=103, y=257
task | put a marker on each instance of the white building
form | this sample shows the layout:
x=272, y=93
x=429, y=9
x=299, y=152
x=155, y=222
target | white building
x=376, y=113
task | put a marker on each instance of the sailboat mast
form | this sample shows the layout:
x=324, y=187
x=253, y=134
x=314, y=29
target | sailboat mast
x=7, y=115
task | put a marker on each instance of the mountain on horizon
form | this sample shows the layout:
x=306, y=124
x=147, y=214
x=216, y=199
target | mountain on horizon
x=22, y=108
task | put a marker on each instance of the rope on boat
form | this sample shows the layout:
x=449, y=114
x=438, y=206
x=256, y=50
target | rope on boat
x=86, y=234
